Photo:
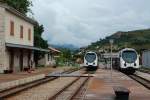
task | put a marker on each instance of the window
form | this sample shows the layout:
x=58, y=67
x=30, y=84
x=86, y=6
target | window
x=29, y=34
x=21, y=31
x=129, y=56
x=11, y=28
x=90, y=57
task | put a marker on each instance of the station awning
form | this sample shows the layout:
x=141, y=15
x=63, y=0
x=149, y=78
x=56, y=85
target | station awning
x=25, y=47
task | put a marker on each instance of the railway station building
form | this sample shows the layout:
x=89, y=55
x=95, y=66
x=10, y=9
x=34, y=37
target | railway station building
x=16, y=40
x=49, y=58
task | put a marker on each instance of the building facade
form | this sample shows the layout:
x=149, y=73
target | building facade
x=49, y=58
x=146, y=58
x=16, y=40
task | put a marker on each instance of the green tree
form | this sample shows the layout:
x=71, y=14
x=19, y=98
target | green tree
x=22, y=6
x=65, y=56
x=39, y=42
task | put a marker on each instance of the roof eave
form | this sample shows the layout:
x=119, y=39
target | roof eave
x=17, y=13
x=25, y=47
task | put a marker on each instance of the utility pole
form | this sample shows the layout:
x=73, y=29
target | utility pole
x=111, y=45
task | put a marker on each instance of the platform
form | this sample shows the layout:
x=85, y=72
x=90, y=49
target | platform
x=73, y=74
x=70, y=75
x=101, y=86
x=11, y=80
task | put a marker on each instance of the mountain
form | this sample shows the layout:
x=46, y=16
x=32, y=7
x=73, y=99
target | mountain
x=68, y=46
x=138, y=39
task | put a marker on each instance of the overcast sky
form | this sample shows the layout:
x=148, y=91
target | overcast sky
x=80, y=22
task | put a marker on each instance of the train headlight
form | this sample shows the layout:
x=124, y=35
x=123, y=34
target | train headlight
x=134, y=64
x=87, y=63
x=125, y=64
x=93, y=63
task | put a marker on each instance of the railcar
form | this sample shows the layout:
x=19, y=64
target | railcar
x=128, y=60
x=91, y=61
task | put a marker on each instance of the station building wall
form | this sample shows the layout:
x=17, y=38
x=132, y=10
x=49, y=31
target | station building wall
x=2, y=40
x=5, y=18
x=146, y=59
x=18, y=22
x=47, y=60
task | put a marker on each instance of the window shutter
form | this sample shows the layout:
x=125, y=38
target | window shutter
x=21, y=31
x=11, y=28
x=29, y=34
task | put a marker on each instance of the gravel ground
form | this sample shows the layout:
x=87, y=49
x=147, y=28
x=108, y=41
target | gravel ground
x=143, y=75
x=21, y=75
x=44, y=91
x=66, y=95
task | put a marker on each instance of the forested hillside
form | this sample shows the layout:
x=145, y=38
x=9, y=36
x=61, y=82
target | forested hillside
x=138, y=39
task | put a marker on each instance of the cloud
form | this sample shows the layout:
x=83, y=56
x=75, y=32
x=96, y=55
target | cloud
x=80, y=22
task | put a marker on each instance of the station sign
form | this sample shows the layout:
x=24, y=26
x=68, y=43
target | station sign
x=109, y=55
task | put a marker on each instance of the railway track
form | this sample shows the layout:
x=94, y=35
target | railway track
x=141, y=80
x=145, y=70
x=70, y=91
x=81, y=93
x=14, y=90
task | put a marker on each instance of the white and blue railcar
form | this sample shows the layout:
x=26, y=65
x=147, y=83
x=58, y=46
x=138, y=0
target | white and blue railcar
x=129, y=60
x=91, y=61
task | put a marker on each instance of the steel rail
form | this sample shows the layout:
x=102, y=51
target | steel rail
x=67, y=86
x=79, y=89
x=14, y=90
x=141, y=80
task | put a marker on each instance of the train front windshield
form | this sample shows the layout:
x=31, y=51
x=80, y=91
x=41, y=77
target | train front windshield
x=90, y=57
x=129, y=56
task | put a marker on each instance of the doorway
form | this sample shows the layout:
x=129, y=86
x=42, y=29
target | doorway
x=29, y=59
x=21, y=60
x=11, y=63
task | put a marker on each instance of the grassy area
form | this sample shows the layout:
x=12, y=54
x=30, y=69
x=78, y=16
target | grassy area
x=39, y=66
x=145, y=68
x=67, y=64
